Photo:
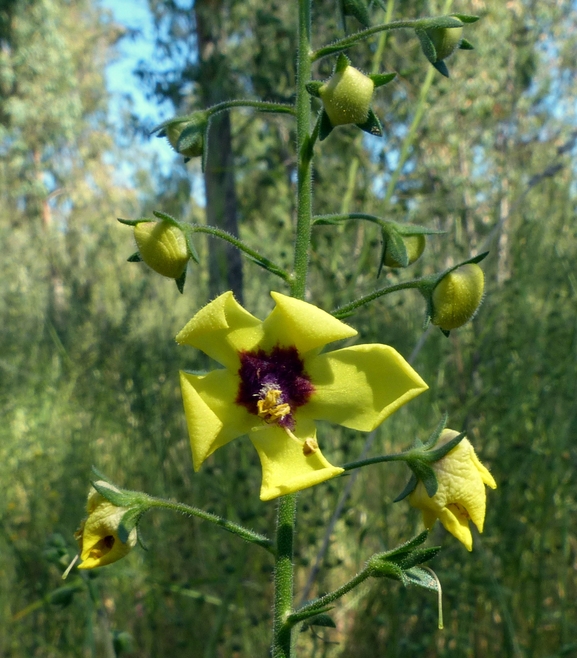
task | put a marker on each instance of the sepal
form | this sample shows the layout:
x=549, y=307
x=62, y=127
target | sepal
x=381, y=79
x=396, y=563
x=358, y=9
x=372, y=125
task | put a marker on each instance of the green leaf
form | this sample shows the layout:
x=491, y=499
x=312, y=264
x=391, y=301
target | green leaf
x=321, y=620
x=372, y=125
x=326, y=126
x=466, y=45
x=467, y=18
x=135, y=258
x=128, y=522
x=189, y=137
x=432, y=440
x=439, y=453
x=313, y=87
x=181, y=281
x=427, y=46
x=426, y=475
x=409, y=488
x=408, y=546
x=422, y=578
x=131, y=222
x=342, y=63
x=100, y=475
x=438, y=21
x=358, y=9
x=380, y=79
x=442, y=68
x=419, y=556
x=118, y=497
x=166, y=217
x=395, y=247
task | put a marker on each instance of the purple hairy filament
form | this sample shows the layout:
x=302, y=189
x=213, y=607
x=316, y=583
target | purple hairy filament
x=273, y=385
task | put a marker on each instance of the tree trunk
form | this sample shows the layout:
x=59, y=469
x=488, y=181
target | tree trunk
x=225, y=264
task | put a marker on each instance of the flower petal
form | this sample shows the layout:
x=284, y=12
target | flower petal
x=285, y=468
x=486, y=476
x=293, y=322
x=457, y=524
x=100, y=542
x=222, y=328
x=212, y=416
x=360, y=386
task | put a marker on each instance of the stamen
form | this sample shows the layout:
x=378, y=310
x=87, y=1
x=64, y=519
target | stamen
x=270, y=408
x=69, y=567
x=310, y=446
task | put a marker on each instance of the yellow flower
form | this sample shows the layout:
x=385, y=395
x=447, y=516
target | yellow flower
x=461, y=494
x=275, y=384
x=98, y=534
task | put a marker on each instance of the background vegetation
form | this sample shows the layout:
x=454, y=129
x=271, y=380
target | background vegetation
x=88, y=362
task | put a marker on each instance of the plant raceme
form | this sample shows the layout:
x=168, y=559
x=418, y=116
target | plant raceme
x=275, y=384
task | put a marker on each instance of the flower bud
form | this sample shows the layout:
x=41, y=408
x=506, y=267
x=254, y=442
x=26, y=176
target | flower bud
x=163, y=247
x=347, y=96
x=457, y=297
x=194, y=150
x=414, y=244
x=98, y=535
x=446, y=40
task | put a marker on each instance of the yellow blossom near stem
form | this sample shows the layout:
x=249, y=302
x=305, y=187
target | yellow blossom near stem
x=275, y=383
x=460, y=496
x=98, y=533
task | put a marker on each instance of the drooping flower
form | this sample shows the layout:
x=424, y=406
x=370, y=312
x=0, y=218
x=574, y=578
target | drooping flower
x=276, y=383
x=98, y=534
x=460, y=496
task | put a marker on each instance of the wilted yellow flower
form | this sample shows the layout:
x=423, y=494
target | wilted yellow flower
x=98, y=534
x=275, y=384
x=461, y=494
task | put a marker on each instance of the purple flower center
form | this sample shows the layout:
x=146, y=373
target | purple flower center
x=281, y=369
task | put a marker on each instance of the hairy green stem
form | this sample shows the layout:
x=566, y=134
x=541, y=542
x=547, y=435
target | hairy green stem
x=304, y=154
x=319, y=604
x=261, y=106
x=286, y=513
x=229, y=526
x=344, y=217
x=348, y=42
x=347, y=309
x=399, y=457
x=259, y=259
x=283, y=577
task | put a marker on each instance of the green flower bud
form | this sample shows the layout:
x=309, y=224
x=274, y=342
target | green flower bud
x=415, y=245
x=446, y=40
x=163, y=247
x=457, y=297
x=173, y=133
x=347, y=96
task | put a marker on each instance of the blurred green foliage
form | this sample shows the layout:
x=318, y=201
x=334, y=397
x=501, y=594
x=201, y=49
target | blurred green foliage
x=88, y=367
